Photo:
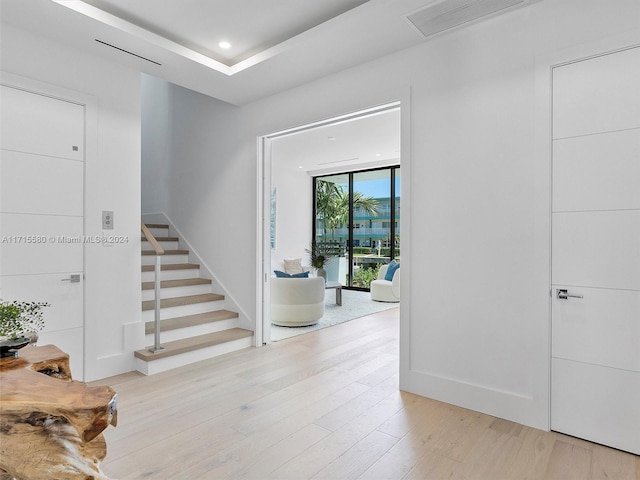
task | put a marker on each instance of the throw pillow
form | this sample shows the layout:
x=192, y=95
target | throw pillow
x=280, y=274
x=391, y=270
x=293, y=265
x=300, y=275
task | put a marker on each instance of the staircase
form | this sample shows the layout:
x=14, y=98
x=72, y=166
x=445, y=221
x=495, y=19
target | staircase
x=194, y=324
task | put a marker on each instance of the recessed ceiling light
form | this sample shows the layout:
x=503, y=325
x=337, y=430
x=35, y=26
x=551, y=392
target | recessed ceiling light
x=377, y=154
x=224, y=44
x=300, y=166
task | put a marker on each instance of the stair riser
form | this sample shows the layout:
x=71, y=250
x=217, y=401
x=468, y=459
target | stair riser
x=183, y=310
x=164, y=364
x=160, y=232
x=146, y=246
x=165, y=260
x=177, y=291
x=180, y=333
x=172, y=275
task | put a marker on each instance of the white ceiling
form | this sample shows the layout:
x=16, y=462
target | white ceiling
x=366, y=142
x=278, y=44
x=251, y=26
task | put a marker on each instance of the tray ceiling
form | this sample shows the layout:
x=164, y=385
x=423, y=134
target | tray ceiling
x=250, y=26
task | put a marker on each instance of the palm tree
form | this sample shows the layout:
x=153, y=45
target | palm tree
x=326, y=193
x=332, y=205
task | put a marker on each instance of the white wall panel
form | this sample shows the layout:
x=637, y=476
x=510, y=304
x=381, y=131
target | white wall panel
x=591, y=249
x=581, y=409
x=599, y=95
x=41, y=244
x=597, y=172
x=42, y=125
x=601, y=328
x=39, y=184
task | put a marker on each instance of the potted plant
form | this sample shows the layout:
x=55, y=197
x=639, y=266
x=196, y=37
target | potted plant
x=319, y=258
x=19, y=324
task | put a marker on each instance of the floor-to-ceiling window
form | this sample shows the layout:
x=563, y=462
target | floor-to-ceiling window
x=358, y=223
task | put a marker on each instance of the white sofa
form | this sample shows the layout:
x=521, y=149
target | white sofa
x=297, y=302
x=384, y=290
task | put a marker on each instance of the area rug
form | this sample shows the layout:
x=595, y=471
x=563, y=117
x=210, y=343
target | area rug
x=355, y=304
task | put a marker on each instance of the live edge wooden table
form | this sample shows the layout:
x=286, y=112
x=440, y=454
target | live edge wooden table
x=50, y=425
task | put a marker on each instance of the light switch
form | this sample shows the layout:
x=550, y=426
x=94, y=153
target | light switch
x=107, y=220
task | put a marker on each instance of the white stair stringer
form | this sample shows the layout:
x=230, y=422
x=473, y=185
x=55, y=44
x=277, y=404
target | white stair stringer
x=194, y=323
x=206, y=270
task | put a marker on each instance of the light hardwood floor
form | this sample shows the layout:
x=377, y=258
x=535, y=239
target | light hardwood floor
x=326, y=405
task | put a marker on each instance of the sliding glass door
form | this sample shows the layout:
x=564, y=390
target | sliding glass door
x=358, y=223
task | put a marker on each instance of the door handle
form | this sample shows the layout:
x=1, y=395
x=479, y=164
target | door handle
x=73, y=279
x=563, y=294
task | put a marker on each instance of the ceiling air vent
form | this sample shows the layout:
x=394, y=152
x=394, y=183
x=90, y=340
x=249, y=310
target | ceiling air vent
x=453, y=13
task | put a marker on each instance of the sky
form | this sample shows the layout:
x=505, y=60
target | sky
x=375, y=187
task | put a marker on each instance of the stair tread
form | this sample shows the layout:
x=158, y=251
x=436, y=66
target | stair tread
x=177, y=283
x=172, y=266
x=180, y=301
x=156, y=225
x=193, y=343
x=166, y=252
x=190, y=320
x=162, y=239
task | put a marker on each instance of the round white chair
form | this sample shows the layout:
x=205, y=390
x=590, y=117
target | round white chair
x=384, y=290
x=297, y=302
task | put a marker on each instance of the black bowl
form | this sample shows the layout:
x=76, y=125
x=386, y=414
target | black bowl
x=9, y=348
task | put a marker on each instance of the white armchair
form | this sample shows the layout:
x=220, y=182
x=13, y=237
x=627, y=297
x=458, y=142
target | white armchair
x=297, y=302
x=384, y=290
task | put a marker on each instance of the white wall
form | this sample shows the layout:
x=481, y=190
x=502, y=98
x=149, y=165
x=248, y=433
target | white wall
x=175, y=158
x=112, y=182
x=207, y=187
x=294, y=204
x=156, y=143
x=475, y=314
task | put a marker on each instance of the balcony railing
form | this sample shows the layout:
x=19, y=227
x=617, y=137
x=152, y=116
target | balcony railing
x=357, y=232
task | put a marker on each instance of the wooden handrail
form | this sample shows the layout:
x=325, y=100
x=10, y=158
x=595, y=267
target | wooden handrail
x=152, y=240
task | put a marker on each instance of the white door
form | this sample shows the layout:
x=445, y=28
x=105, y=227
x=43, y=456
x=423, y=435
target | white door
x=42, y=213
x=595, y=391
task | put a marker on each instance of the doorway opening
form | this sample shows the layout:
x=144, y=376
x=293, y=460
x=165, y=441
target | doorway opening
x=290, y=162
